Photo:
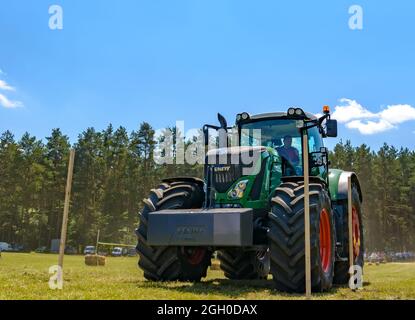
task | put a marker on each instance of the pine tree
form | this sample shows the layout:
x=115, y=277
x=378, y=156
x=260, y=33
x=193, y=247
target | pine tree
x=57, y=154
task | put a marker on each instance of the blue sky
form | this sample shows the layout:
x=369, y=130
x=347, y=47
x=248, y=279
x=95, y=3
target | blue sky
x=126, y=62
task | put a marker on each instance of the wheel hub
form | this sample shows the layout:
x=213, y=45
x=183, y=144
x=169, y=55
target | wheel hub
x=356, y=233
x=325, y=240
x=194, y=256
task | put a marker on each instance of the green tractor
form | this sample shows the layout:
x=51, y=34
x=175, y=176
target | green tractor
x=250, y=208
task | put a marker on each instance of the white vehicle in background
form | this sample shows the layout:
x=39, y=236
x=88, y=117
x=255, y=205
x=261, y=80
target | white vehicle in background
x=89, y=250
x=4, y=246
x=376, y=257
x=117, y=252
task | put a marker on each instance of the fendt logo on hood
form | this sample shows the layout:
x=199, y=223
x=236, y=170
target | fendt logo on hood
x=190, y=230
x=222, y=169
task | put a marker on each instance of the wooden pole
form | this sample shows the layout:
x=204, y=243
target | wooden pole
x=350, y=223
x=96, y=248
x=66, y=208
x=307, y=216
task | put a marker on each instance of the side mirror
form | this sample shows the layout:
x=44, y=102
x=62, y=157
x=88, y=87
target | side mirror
x=331, y=128
x=223, y=122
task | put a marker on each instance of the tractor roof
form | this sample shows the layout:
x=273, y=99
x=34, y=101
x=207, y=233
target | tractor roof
x=278, y=115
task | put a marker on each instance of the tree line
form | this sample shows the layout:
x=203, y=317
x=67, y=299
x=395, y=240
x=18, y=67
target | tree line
x=114, y=171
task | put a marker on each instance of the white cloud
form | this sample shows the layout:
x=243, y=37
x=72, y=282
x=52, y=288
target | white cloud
x=398, y=113
x=5, y=102
x=350, y=111
x=355, y=116
x=5, y=86
x=370, y=127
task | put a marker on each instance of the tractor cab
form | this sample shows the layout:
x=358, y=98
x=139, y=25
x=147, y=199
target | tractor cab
x=269, y=144
x=283, y=134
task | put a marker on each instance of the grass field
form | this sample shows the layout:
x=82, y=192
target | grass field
x=25, y=276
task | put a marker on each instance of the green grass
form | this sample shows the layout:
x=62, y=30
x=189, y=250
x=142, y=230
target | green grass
x=25, y=276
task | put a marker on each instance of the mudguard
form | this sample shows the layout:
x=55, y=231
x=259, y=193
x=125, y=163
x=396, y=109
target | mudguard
x=186, y=179
x=338, y=184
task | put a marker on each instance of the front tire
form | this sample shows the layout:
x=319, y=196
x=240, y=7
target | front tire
x=238, y=264
x=286, y=238
x=172, y=263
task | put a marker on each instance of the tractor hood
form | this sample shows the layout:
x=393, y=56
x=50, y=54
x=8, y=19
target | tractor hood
x=248, y=159
x=228, y=165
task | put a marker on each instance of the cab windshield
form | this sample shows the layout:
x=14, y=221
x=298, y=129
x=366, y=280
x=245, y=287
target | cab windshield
x=284, y=136
x=270, y=133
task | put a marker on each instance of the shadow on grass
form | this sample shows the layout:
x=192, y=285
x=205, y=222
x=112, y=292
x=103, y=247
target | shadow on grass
x=229, y=288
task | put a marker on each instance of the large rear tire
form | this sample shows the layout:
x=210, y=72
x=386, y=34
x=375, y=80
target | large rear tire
x=238, y=264
x=172, y=263
x=341, y=268
x=286, y=238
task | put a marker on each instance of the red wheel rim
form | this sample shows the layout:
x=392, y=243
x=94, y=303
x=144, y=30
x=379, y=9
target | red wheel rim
x=194, y=255
x=356, y=232
x=325, y=240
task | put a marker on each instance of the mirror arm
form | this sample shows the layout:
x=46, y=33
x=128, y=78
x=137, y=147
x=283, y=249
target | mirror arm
x=324, y=117
x=209, y=126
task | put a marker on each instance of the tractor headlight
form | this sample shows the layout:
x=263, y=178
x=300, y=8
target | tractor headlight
x=296, y=112
x=291, y=111
x=245, y=116
x=299, y=112
x=238, y=191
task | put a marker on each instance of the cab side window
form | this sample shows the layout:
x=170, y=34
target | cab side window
x=315, y=142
